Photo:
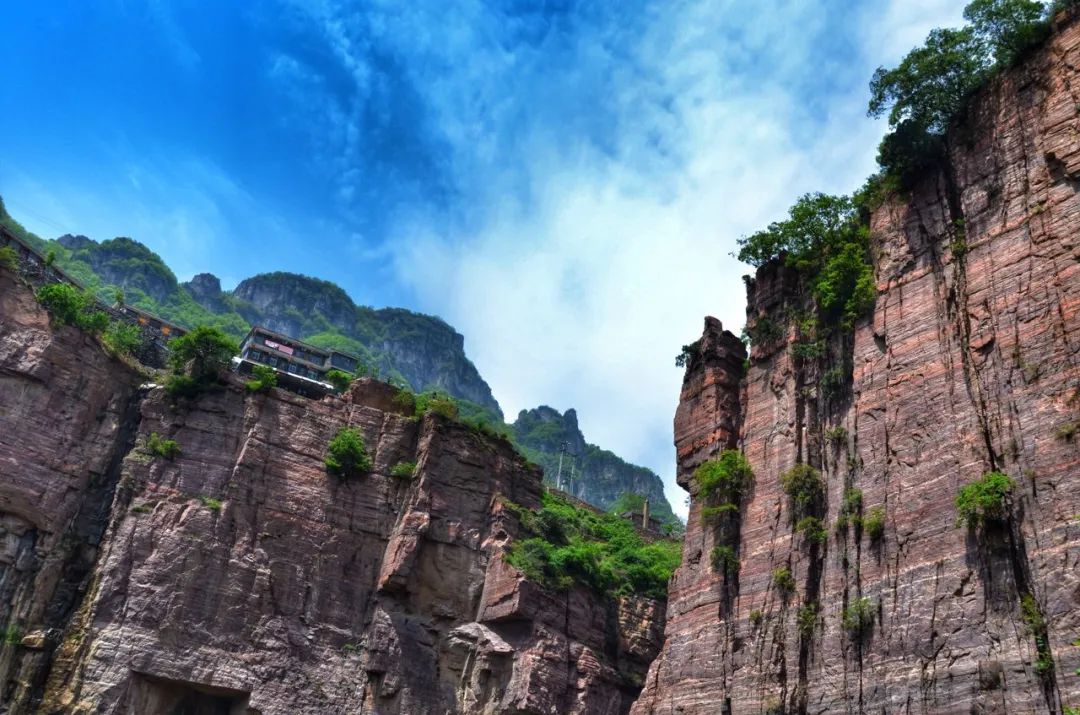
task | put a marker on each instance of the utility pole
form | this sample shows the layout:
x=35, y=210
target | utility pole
x=558, y=477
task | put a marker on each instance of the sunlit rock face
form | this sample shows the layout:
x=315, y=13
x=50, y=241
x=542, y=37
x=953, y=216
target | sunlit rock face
x=970, y=363
x=239, y=576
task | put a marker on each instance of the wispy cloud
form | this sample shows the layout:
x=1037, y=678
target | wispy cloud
x=562, y=181
x=612, y=196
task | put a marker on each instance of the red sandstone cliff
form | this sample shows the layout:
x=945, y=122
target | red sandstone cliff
x=241, y=576
x=970, y=363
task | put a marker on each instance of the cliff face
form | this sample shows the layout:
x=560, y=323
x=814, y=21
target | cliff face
x=588, y=472
x=240, y=575
x=969, y=364
x=66, y=416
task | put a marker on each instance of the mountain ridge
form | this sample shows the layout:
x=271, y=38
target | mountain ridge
x=415, y=349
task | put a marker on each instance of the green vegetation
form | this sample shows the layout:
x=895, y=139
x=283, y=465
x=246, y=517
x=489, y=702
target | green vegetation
x=197, y=359
x=874, y=523
x=70, y=306
x=165, y=448
x=573, y=545
x=1067, y=431
x=825, y=238
x=812, y=529
x=806, y=620
x=1035, y=624
x=211, y=503
x=686, y=355
x=1031, y=615
x=713, y=514
x=836, y=435
x=12, y=635
x=122, y=338
x=808, y=350
x=930, y=89
x=403, y=470
x=728, y=478
x=539, y=435
x=852, y=504
x=346, y=455
x=724, y=559
x=756, y=617
x=202, y=353
x=805, y=486
x=628, y=502
x=9, y=259
x=783, y=580
x=985, y=499
x=763, y=330
x=858, y=617
x=339, y=379
x=265, y=378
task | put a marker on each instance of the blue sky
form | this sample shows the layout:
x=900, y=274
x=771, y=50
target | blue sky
x=561, y=181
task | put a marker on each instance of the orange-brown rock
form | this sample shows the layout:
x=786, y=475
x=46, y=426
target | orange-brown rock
x=970, y=363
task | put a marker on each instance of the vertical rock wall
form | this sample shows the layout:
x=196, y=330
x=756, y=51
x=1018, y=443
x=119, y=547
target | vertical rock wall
x=970, y=363
x=66, y=416
x=239, y=576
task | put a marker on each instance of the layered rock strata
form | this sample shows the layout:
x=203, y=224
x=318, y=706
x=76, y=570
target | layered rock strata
x=239, y=576
x=969, y=364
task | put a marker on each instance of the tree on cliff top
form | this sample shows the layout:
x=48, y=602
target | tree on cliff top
x=931, y=86
x=202, y=352
x=824, y=238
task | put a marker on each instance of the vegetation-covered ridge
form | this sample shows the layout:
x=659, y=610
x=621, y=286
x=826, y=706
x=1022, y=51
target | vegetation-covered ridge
x=568, y=545
x=591, y=473
x=419, y=350
x=410, y=350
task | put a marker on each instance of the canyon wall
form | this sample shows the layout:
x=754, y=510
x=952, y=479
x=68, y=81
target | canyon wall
x=970, y=363
x=238, y=576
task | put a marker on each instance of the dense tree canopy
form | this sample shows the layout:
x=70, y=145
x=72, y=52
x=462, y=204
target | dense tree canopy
x=931, y=87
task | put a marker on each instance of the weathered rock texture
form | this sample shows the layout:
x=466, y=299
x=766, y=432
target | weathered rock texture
x=968, y=364
x=239, y=576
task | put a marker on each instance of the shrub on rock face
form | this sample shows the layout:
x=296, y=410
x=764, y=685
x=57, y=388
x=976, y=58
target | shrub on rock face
x=346, y=455
x=9, y=260
x=729, y=477
x=724, y=559
x=166, y=448
x=403, y=470
x=874, y=523
x=339, y=379
x=812, y=529
x=70, y=306
x=858, y=617
x=122, y=338
x=804, y=485
x=202, y=352
x=986, y=499
x=806, y=620
x=265, y=379
x=783, y=580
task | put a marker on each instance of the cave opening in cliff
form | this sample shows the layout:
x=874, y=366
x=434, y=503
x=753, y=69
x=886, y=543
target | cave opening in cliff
x=153, y=695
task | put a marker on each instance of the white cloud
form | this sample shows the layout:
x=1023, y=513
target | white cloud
x=582, y=297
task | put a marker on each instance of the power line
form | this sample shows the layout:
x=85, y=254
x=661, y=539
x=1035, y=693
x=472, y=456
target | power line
x=21, y=209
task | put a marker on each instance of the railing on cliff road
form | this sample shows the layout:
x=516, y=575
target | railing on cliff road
x=154, y=332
